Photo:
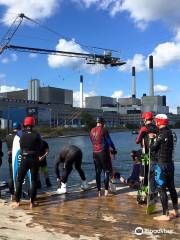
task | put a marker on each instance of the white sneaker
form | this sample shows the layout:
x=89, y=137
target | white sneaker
x=62, y=189
x=84, y=185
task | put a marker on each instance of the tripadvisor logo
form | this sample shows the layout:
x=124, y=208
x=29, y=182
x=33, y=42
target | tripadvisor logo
x=139, y=231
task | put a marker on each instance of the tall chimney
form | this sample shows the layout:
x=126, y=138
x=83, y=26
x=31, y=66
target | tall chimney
x=151, y=76
x=133, y=82
x=81, y=91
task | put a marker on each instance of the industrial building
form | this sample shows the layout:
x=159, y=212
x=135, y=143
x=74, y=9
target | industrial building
x=54, y=106
x=98, y=102
x=36, y=93
x=132, y=105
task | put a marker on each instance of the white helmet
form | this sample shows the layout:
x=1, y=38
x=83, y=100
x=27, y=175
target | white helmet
x=161, y=119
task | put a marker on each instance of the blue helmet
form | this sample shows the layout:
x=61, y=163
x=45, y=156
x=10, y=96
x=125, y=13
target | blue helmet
x=16, y=125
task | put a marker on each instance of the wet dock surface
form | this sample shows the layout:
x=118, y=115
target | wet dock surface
x=82, y=215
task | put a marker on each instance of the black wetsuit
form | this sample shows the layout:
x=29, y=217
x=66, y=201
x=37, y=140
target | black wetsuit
x=163, y=147
x=70, y=156
x=30, y=143
x=102, y=143
x=9, y=142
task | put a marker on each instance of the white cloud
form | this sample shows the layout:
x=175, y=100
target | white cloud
x=5, y=60
x=33, y=55
x=173, y=110
x=117, y=94
x=161, y=88
x=138, y=61
x=76, y=97
x=34, y=9
x=14, y=57
x=73, y=62
x=5, y=88
x=142, y=11
x=2, y=76
x=166, y=53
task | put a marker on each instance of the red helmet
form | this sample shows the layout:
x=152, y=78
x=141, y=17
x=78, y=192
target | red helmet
x=161, y=119
x=147, y=116
x=29, y=121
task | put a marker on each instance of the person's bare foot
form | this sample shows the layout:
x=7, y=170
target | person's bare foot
x=13, y=198
x=33, y=205
x=174, y=213
x=123, y=180
x=106, y=193
x=99, y=193
x=15, y=204
x=162, y=218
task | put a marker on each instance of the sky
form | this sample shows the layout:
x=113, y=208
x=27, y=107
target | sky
x=135, y=29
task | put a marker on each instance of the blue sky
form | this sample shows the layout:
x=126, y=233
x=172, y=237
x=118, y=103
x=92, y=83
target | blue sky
x=136, y=28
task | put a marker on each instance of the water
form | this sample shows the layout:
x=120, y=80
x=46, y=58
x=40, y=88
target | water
x=124, y=142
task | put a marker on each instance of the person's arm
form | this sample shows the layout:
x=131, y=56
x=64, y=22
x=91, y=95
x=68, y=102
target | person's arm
x=108, y=139
x=155, y=146
x=46, y=151
x=44, y=155
x=140, y=135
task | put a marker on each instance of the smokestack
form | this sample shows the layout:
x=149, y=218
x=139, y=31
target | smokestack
x=81, y=91
x=133, y=82
x=151, y=76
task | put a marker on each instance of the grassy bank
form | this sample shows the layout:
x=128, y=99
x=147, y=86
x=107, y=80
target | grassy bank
x=47, y=132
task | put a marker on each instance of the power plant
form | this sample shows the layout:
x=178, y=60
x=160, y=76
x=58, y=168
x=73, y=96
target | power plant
x=54, y=106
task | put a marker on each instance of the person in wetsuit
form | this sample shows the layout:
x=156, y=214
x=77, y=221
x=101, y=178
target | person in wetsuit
x=9, y=141
x=146, y=134
x=102, y=145
x=1, y=155
x=30, y=144
x=163, y=147
x=69, y=156
x=133, y=179
x=43, y=168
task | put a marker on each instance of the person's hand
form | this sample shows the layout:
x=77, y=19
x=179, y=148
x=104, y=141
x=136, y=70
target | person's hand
x=113, y=151
x=141, y=179
x=152, y=135
x=40, y=158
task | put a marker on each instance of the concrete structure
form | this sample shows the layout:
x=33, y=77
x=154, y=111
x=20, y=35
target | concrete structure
x=156, y=104
x=97, y=102
x=125, y=102
x=178, y=110
x=33, y=90
x=46, y=95
x=81, y=92
x=133, y=82
x=151, y=76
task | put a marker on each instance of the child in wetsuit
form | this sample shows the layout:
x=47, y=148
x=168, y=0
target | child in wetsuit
x=133, y=179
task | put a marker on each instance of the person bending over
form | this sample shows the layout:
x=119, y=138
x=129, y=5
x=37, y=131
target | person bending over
x=69, y=156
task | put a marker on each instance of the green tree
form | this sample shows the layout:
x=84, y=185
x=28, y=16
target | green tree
x=87, y=120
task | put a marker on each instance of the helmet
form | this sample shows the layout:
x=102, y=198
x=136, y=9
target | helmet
x=161, y=119
x=117, y=175
x=16, y=125
x=29, y=121
x=100, y=120
x=147, y=116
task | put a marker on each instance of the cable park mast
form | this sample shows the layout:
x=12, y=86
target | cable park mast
x=91, y=58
